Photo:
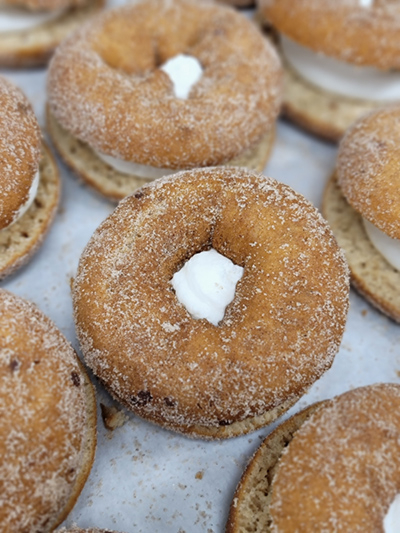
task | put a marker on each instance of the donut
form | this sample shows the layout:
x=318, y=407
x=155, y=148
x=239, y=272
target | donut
x=277, y=336
x=29, y=181
x=110, y=97
x=48, y=414
x=362, y=204
x=333, y=467
x=30, y=30
x=339, y=68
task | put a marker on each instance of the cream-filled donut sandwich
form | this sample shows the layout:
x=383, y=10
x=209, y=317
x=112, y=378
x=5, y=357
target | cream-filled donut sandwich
x=333, y=467
x=362, y=204
x=275, y=271
x=158, y=86
x=29, y=181
x=341, y=58
x=30, y=30
x=48, y=420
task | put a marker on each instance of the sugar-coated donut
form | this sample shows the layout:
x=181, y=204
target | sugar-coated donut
x=48, y=414
x=277, y=337
x=33, y=46
x=20, y=143
x=27, y=208
x=342, y=33
x=106, y=89
x=366, y=184
x=332, y=467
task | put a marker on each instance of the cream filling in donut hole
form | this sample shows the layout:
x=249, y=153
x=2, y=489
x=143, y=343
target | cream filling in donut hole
x=391, y=522
x=31, y=196
x=345, y=79
x=184, y=71
x=19, y=19
x=206, y=284
x=386, y=246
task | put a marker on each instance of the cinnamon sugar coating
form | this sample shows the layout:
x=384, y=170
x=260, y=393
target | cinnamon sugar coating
x=368, y=168
x=280, y=333
x=19, y=150
x=48, y=423
x=105, y=86
x=341, y=471
x=46, y=5
x=342, y=29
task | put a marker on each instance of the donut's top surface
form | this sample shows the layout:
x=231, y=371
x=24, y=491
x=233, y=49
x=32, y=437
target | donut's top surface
x=341, y=471
x=19, y=150
x=343, y=29
x=105, y=86
x=46, y=5
x=43, y=417
x=279, y=334
x=368, y=168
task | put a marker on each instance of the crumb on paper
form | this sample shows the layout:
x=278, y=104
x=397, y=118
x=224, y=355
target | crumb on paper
x=364, y=312
x=200, y=474
x=112, y=417
x=398, y=373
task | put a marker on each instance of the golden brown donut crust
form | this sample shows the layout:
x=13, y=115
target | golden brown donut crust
x=342, y=29
x=43, y=5
x=48, y=430
x=368, y=169
x=278, y=335
x=19, y=150
x=346, y=457
x=121, y=104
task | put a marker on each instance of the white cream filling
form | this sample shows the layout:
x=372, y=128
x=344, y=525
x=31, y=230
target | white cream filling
x=184, y=72
x=206, y=284
x=342, y=78
x=31, y=196
x=366, y=3
x=18, y=19
x=391, y=522
x=141, y=171
x=386, y=246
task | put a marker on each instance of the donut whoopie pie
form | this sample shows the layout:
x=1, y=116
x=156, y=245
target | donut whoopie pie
x=362, y=204
x=30, y=30
x=114, y=114
x=29, y=181
x=333, y=467
x=48, y=420
x=341, y=59
x=278, y=335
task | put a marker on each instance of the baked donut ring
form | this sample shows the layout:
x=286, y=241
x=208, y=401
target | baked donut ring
x=51, y=21
x=341, y=59
x=279, y=334
x=29, y=181
x=333, y=467
x=366, y=185
x=48, y=420
x=106, y=89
